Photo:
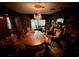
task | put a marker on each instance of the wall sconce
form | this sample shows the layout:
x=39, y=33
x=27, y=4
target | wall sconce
x=1, y=17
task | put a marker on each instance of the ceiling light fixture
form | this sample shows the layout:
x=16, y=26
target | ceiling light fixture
x=37, y=15
x=38, y=8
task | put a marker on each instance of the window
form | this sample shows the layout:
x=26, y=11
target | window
x=60, y=20
x=36, y=23
x=8, y=23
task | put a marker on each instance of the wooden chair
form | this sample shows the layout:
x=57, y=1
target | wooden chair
x=56, y=52
x=36, y=51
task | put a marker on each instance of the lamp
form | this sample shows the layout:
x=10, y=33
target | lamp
x=37, y=16
x=38, y=8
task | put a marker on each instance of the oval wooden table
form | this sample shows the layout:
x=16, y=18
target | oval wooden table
x=33, y=43
x=34, y=38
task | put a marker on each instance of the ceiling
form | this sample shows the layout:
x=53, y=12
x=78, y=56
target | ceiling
x=47, y=7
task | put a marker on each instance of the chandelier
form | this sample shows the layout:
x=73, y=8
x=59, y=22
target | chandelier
x=37, y=16
x=38, y=8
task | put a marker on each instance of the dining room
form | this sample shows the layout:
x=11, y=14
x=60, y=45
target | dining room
x=39, y=29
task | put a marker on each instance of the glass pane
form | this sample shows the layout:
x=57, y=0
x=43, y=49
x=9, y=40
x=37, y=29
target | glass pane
x=8, y=23
x=36, y=23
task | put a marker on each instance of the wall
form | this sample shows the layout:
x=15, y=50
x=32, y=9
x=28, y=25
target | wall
x=5, y=12
x=19, y=27
x=70, y=15
x=25, y=22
